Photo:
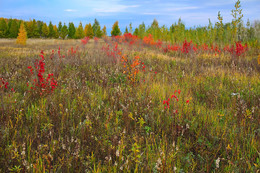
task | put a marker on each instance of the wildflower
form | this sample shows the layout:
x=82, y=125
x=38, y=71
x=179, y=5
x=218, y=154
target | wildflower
x=228, y=147
x=187, y=101
x=234, y=94
x=117, y=153
x=217, y=162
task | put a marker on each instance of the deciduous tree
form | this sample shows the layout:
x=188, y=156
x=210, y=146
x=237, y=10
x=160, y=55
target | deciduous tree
x=89, y=31
x=115, y=29
x=22, y=36
x=104, y=31
x=79, y=32
x=45, y=30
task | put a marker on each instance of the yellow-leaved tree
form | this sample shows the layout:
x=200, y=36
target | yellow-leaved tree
x=22, y=36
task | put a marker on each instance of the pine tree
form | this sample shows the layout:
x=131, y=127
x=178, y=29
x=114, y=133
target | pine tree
x=32, y=29
x=141, y=30
x=59, y=27
x=51, y=30
x=13, y=32
x=36, y=33
x=104, y=31
x=55, y=32
x=79, y=31
x=130, y=28
x=98, y=32
x=89, y=31
x=29, y=29
x=96, y=28
x=39, y=27
x=3, y=28
x=72, y=30
x=136, y=32
x=22, y=36
x=45, y=30
x=126, y=31
x=9, y=24
x=64, y=31
x=115, y=29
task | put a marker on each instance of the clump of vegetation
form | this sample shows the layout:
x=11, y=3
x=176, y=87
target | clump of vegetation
x=22, y=36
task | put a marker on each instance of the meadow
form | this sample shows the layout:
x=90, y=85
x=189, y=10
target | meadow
x=125, y=104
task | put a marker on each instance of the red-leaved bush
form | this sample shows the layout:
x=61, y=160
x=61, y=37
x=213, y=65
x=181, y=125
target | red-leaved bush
x=41, y=84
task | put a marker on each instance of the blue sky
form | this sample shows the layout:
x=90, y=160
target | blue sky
x=192, y=12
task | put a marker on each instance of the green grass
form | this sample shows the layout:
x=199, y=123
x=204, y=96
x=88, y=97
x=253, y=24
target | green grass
x=97, y=120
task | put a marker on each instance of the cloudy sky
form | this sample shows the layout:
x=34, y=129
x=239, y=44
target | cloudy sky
x=192, y=12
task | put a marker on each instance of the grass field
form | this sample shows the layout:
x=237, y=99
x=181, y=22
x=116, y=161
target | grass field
x=104, y=106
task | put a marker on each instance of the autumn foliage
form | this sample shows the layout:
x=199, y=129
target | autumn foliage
x=22, y=36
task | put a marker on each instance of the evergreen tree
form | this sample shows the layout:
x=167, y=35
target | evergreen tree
x=79, y=32
x=56, y=32
x=13, y=32
x=36, y=33
x=126, y=31
x=32, y=29
x=141, y=30
x=64, y=31
x=59, y=27
x=98, y=32
x=172, y=28
x=22, y=36
x=72, y=30
x=9, y=24
x=89, y=31
x=39, y=27
x=130, y=28
x=29, y=29
x=155, y=30
x=136, y=32
x=155, y=24
x=3, y=28
x=96, y=28
x=51, y=30
x=115, y=29
x=104, y=31
x=45, y=30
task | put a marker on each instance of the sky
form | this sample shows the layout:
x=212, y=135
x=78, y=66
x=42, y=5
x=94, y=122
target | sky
x=192, y=12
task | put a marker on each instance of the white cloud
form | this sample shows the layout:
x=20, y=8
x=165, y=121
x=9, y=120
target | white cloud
x=70, y=10
x=151, y=13
x=181, y=8
x=115, y=8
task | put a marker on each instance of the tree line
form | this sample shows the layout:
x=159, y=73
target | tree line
x=9, y=28
x=219, y=32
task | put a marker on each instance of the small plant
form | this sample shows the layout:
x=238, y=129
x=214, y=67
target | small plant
x=131, y=68
x=41, y=85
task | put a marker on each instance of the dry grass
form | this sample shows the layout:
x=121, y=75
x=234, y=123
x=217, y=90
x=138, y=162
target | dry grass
x=97, y=120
